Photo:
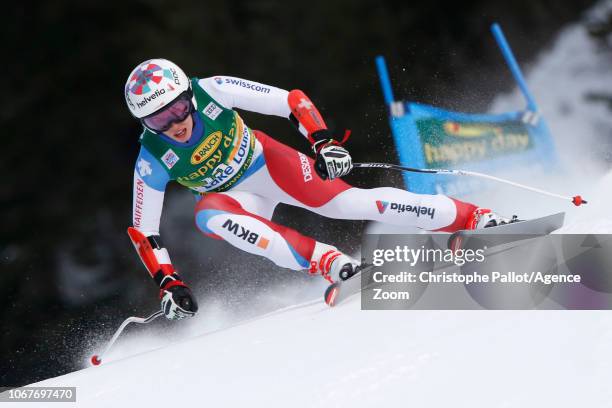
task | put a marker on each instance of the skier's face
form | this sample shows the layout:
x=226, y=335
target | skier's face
x=181, y=131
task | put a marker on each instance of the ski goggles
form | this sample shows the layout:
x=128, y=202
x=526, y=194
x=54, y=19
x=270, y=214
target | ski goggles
x=176, y=111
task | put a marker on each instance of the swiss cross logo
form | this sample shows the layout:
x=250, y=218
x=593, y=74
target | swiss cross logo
x=305, y=103
x=382, y=206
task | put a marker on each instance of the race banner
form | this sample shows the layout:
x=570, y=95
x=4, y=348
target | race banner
x=430, y=137
x=498, y=144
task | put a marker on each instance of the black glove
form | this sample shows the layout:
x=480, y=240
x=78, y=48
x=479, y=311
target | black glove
x=177, y=302
x=332, y=160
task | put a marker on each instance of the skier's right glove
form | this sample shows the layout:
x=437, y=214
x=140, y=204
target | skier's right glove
x=177, y=301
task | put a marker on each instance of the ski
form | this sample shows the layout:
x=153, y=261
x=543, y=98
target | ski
x=508, y=232
x=334, y=294
x=342, y=289
x=339, y=291
x=542, y=225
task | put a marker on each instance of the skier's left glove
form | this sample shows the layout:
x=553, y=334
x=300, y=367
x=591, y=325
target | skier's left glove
x=177, y=301
x=332, y=160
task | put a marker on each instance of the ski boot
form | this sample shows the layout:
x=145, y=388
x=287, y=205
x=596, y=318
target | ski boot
x=332, y=264
x=485, y=218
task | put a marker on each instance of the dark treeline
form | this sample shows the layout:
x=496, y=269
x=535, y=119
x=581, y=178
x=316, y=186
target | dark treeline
x=70, y=143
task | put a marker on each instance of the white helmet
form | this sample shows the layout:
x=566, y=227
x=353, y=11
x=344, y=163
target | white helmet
x=152, y=85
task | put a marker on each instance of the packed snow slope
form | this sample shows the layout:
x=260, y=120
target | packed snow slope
x=314, y=356
x=311, y=355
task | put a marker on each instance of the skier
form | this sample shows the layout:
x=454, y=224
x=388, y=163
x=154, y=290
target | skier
x=193, y=135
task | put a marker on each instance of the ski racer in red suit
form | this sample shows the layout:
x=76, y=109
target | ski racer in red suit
x=193, y=135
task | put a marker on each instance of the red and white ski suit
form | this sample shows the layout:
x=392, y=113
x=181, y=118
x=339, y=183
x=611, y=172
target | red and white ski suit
x=242, y=216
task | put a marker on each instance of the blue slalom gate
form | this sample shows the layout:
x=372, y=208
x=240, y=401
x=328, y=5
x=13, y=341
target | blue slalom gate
x=430, y=137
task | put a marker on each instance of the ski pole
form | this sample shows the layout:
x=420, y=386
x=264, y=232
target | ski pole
x=576, y=200
x=96, y=359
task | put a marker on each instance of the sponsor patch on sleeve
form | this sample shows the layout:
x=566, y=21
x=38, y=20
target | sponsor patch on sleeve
x=144, y=168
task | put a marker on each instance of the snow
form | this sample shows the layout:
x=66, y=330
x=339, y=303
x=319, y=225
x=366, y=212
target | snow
x=310, y=355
